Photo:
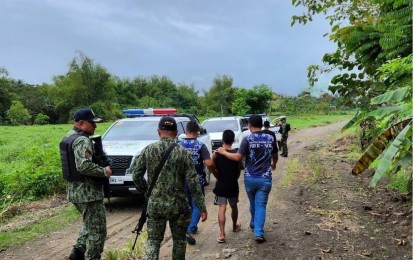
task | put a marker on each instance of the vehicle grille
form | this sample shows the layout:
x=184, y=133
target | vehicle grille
x=216, y=144
x=119, y=164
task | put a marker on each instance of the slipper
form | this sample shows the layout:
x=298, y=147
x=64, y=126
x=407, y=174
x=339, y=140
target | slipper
x=220, y=240
x=238, y=227
x=190, y=240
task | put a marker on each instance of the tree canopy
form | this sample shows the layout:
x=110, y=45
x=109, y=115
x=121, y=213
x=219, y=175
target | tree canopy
x=374, y=45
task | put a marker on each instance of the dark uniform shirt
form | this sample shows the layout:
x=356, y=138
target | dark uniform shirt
x=168, y=198
x=284, y=130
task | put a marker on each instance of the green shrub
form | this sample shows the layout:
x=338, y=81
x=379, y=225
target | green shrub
x=18, y=114
x=41, y=119
x=401, y=181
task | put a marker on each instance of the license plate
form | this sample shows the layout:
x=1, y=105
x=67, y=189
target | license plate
x=115, y=180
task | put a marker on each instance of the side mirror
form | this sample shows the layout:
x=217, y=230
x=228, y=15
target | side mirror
x=202, y=130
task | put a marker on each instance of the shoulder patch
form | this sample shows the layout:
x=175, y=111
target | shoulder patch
x=88, y=154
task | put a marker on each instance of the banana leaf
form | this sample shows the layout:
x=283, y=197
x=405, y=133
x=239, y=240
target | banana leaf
x=393, y=149
x=373, y=151
x=378, y=146
x=404, y=162
x=355, y=120
x=384, y=111
x=394, y=96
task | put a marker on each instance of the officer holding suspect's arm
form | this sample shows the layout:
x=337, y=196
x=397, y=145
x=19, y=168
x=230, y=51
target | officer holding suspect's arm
x=84, y=187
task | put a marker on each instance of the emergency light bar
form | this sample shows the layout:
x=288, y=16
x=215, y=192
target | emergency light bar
x=149, y=111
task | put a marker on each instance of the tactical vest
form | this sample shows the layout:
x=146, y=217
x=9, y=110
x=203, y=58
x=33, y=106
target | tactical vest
x=70, y=173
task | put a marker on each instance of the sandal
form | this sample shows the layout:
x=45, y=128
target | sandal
x=220, y=240
x=238, y=227
x=190, y=239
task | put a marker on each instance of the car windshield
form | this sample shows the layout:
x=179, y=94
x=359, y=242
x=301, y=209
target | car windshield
x=132, y=130
x=220, y=125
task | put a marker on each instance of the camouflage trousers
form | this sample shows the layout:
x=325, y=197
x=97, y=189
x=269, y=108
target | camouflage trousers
x=156, y=228
x=91, y=237
x=284, y=146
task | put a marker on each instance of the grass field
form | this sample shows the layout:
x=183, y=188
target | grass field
x=305, y=121
x=30, y=165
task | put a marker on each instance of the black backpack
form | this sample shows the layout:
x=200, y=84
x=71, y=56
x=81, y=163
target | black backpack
x=288, y=127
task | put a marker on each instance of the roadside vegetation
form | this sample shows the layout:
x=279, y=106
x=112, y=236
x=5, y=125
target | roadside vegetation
x=373, y=65
x=36, y=226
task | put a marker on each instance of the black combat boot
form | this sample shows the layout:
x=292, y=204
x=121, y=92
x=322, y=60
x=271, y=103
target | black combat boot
x=77, y=254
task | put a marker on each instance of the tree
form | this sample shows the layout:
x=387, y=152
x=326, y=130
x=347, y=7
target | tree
x=220, y=96
x=84, y=84
x=187, y=99
x=377, y=43
x=255, y=100
x=18, y=114
x=367, y=33
x=5, y=95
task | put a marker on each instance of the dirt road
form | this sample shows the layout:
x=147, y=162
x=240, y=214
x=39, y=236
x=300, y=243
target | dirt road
x=332, y=216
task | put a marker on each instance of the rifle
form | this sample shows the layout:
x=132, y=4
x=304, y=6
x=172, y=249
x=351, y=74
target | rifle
x=139, y=227
x=143, y=218
x=100, y=157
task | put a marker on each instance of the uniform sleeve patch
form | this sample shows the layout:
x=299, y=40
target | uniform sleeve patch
x=88, y=154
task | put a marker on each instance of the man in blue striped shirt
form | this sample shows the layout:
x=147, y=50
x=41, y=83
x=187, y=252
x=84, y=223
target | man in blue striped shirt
x=261, y=156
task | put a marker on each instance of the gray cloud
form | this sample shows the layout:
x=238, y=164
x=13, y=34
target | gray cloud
x=189, y=41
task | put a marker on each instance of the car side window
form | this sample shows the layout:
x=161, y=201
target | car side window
x=181, y=127
x=244, y=123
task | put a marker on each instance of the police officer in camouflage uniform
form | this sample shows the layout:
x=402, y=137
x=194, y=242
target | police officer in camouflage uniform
x=284, y=129
x=168, y=201
x=84, y=189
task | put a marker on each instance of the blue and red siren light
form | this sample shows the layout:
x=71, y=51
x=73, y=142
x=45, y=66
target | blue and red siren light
x=149, y=111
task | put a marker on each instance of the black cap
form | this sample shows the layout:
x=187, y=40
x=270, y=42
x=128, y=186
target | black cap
x=168, y=123
x=86, y=114
x=266, y=124
x=255, y=121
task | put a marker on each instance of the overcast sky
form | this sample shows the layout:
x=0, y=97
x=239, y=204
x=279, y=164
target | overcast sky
x=189, y=41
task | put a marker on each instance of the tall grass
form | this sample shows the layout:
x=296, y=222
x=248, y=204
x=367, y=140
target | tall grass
x=306, y=121
x=30, y=165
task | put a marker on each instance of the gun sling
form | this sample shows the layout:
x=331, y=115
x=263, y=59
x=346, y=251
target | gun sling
x=143, y=216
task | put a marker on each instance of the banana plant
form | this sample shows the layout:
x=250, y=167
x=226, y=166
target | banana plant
x=394, y=144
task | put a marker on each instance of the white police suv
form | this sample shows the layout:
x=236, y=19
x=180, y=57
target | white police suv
x=216, y=125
